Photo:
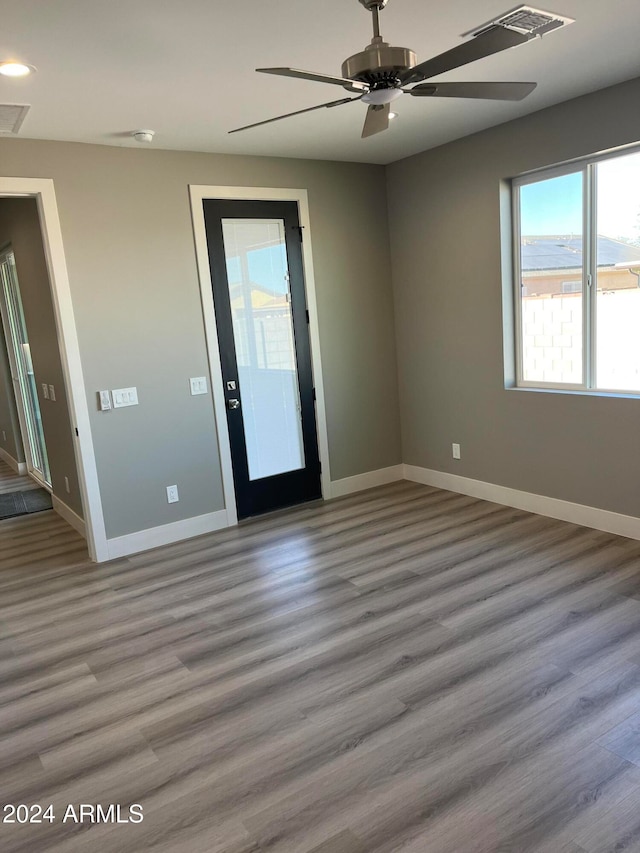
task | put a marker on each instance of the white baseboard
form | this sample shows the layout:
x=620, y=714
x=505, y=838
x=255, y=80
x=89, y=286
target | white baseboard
x=18, y=467
x=587, y=516
x=69, y=516
x=176, y=531
x=360, y=482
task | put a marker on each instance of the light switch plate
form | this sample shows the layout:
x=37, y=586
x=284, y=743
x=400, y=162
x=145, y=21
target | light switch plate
x=52, y=393
x=198, y=385
x=124, y=397
x=45, y=390
x=104, y=401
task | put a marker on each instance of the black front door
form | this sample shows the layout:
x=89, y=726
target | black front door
x=255, y=257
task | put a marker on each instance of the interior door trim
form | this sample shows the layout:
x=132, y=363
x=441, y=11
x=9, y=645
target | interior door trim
x=42, y=190
x=198, y=193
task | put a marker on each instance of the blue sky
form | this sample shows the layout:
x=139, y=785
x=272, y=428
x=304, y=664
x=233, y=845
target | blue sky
x=555, y=206
x=267, y=267
x=552, y=207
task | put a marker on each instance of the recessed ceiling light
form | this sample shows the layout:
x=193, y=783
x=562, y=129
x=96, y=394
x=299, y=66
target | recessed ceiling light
x=393, y=115
x=15, y=69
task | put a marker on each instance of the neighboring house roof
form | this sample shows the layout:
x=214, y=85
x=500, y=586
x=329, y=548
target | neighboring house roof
x=564, y=252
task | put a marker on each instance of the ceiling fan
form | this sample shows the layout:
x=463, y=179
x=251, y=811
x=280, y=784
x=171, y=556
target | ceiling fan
x=380, y=73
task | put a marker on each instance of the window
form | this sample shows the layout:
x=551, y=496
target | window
x=577, y=275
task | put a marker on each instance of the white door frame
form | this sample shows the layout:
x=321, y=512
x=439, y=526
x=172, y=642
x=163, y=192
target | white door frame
x=42, y=190
x=198, y=194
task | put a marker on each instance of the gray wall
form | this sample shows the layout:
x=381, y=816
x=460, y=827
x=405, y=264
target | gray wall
x=20, y=226
x=127, y=232
x=8, y=415
x=444, y=213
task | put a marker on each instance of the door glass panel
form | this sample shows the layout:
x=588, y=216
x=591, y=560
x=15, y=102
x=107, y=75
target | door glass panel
x=260, y=297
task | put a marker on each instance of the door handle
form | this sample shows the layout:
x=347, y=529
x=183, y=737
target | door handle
x=233, y=403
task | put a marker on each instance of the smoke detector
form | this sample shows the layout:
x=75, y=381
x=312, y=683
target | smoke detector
x=143, y=135
x=524, y=19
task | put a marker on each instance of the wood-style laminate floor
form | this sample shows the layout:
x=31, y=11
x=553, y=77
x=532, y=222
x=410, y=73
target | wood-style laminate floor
x=406, y=669
x=12, y=482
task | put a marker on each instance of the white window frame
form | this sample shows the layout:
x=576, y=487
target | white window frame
x=587, y=167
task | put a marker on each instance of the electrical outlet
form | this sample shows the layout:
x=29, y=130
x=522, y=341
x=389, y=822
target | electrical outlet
x=172, y=494
x=455, y=451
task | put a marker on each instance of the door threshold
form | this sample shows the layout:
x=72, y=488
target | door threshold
x=40, y=483
x=274, y=513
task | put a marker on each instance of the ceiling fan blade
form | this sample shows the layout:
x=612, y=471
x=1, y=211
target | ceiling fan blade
x=296, y=113
x=487, y=91
x=490, y=42
x=376, y=120
x=352, y=85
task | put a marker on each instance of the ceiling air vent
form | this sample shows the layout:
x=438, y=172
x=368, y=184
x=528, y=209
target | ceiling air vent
x=524, y=19
x=12, y=116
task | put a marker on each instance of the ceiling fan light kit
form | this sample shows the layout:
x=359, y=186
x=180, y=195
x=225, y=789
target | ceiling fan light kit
x=380, y=73
x=381, y=96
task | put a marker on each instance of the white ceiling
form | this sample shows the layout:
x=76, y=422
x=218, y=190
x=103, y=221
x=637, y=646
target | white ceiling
x=185, y=68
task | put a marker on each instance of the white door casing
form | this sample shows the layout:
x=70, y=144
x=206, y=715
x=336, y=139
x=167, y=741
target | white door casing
x=42, y=190
x=198, y=194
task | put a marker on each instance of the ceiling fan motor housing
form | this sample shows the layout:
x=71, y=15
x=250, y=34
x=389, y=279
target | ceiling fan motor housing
x=379, y=64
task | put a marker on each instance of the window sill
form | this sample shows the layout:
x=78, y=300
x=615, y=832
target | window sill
x=576, y=392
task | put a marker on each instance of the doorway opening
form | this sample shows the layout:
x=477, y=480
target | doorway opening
x=66, y=462
x=261, y=315
x=253, y=248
